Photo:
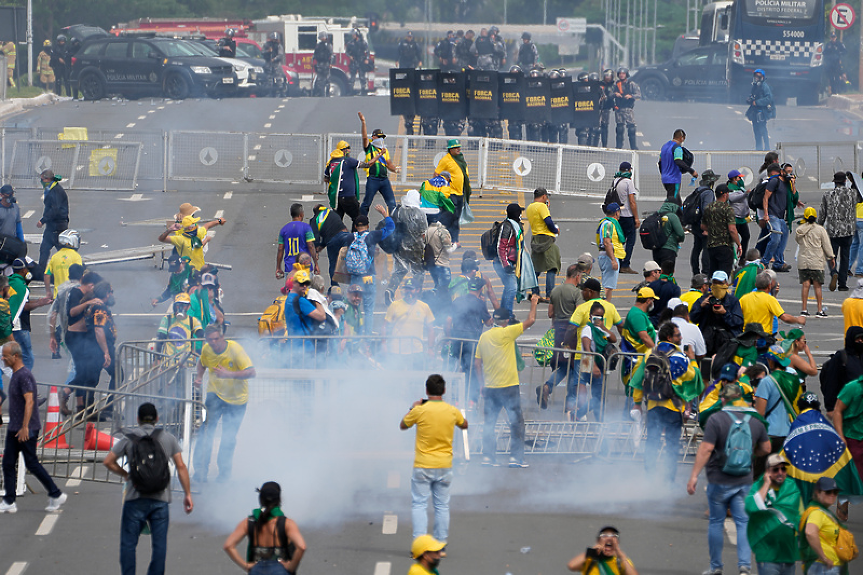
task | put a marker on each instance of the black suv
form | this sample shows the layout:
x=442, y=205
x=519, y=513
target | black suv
x=136, y=67
x=698, y=74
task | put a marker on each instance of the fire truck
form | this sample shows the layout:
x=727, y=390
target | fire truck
x=300, y=35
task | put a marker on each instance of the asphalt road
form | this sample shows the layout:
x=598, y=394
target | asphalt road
x=555, y=507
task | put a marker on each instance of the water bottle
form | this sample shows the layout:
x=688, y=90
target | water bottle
x=692, y=181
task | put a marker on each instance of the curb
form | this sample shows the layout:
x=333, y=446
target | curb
x=13, y=106
x=852, y=106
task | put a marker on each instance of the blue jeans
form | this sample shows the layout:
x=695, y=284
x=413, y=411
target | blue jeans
x=628, y=225
x=721, y=498
x=576, y=393
x=373, y=186
x=856, y=251
x=507, y=398
x=777, y=568
x=659, y=420
x=762, y=140
x=268, y=567
x=31, y=462
x=510, y=284
x=434, y=482
x=137, y=513
x=776, y=244
x=463, y=354
x=231, y=416
x=369, y=293
x=822, y=569
x=23, y=338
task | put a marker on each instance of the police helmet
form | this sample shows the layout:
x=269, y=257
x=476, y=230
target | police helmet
x=582, y=77
x=230, y=32
x=608, y=73
x=536, y=73
x=61, y=38
x=493, y=30
x=69, y=239
x=274, y=36
x=322, y=36
x=808, y=401
x=355, y=33
x=514, y=69
x=562, y=72
x=46, y=43
x=554, y=74
x=525, y=35
x=593, y=77
x=623, y=70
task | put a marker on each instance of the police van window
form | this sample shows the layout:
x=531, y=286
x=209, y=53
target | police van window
x=250, y=50
x=694, y=58
x=141, y=50
x=720, y=58
x=116, y=50
x=92, y=49
x=307, y=37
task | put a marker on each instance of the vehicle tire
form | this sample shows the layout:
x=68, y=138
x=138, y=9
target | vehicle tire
x=652, y=89
x=338, y=87
x=176, y=86
x=91, y=86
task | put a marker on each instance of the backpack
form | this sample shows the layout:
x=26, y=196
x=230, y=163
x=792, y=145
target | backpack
x=148, y=463
x=313, y=327
x=488, y=241
x=688, y=158
x=846, y=547
x=357, y=258
x=755, y=198
x=832, y=378
x=273, y=318
x=611, y=196
x=691, y=211
x=652, y=232
x=657, y=384
x=541, y=353
x=737, y=455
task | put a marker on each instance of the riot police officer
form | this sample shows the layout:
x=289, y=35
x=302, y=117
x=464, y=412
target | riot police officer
x=483, y=51
x=358, y=51
x=534, y=130
x=445, y=53
x=499, y=47
x=272, y=53
x=626, y=92
x=593, y=131
x=463, y=55
x=528, y=56
x=322, y=59
x=227, y=45
x=515, y=128
x=583, y=133
x=606, y=105
x=409, y=52
x=59, y=58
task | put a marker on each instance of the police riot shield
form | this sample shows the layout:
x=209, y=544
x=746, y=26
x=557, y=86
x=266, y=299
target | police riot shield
x=482, y=94
x=585, y=97
x=402, y=92
x=453, y=96
x=560, y=104
x=426, y=101
x=511, y=86
x=537, y=94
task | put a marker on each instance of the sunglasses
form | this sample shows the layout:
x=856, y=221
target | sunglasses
x=609, y=535
x=782, y=468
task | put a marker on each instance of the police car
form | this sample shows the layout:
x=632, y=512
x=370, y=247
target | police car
x=135, y=67
x=698, y=74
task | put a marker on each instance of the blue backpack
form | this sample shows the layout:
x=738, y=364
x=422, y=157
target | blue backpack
x=357, y=258
x=737, y=455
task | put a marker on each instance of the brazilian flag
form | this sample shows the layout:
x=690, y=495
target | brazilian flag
x=710, y=402
x=433, y=196
x=686, y=389
x=814, y=450
x=789, y=386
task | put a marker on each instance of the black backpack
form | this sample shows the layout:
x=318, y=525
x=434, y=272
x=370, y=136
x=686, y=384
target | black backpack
x=148, y=463
x=691, y=210
x=657, y=384
x=755, y=198
x=652, y=232
x=488, y=241
x=611, y=196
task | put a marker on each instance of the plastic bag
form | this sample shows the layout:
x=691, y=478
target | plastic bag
x=466, y=216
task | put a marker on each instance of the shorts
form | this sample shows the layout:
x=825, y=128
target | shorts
x=609, y=276
x=813, y=276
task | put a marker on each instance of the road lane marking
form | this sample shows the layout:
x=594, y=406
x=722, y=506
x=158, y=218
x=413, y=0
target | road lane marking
x=391, y=524
x=276, y=111
x=227, y=195
x=281, y=106
x=257, y=147
x=143, y=117
x=151, y=111
x=383, y=568
x=29, y=213
x=130, y=125
x=645, y=142
x=17, y=568
x=268, y=125
x=77, y=474
x=47, y=524
x=272, y=117
x=393, y=480
x=118, y=136
x=219, y=214
x=160, y=108
x=639, y=134
x=252, y=157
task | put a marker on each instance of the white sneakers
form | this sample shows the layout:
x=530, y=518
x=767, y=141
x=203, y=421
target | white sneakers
x=54, y=503
x=8, y=507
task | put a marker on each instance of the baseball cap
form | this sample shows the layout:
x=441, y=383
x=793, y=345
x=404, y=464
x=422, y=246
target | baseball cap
x=673, y=303
x=585, y=258
x=776, y=459
x=18, y=264
x=777, y=354
x=502, y=313
x=189, y=221
x=734, y=174
x=592, y=284
x=612, y=208
x=624, y=167
x=413, y=283
x=453, y=143
x=476, y=284
x=651, y=266
x=302, y=277
x=698, y=280
x=826, y=484
x=355, y=288
x=208, y=280
x=270, y=490
x=809, y=212
x=424, y=544
x=182, y=298
x=719, y=276
x=729, y=372
x=646, y=292
x=378, y=133
x=7, y=190
x=608, y=528
x=731, y=391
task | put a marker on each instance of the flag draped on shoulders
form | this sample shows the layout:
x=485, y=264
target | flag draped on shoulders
x=434, y=193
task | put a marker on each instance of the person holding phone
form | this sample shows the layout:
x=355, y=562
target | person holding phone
x=604, y=557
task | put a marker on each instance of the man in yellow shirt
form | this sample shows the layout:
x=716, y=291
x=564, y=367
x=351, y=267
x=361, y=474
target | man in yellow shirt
x=57, y=272
x=762, y=307
x=610, y=239
x=698, y=287
x=227, y=395
x=495, y=364
x=543, y=251
x=427, y=552
x=852, y=307
x=190, y=243
x=408, y=323
x=604, y=558
x=581, y=316
x=454, y=163
x=432, y=475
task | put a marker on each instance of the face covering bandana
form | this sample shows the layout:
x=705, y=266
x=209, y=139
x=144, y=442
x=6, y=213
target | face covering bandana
x=719, y=291
x=379, y=143
x=193, y=235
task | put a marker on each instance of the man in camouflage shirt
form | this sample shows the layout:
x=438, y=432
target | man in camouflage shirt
x=721, y=228
x=838, y=215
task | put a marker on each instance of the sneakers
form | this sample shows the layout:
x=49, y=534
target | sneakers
x=805, y=313
x=744, y=570
x=489, y=462
x=54, y=503
x=784, y=268
x=8, y=507
x=542, y=393
x=834, y=279
x=517, y=463
x=713, y=572
x=821, y=313
x=843, y=288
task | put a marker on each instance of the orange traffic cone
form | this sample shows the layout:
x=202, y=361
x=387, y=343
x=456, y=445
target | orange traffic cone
x=95, y=440
x=52, y=436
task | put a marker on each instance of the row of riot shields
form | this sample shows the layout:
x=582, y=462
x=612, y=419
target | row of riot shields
x=491, y=95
